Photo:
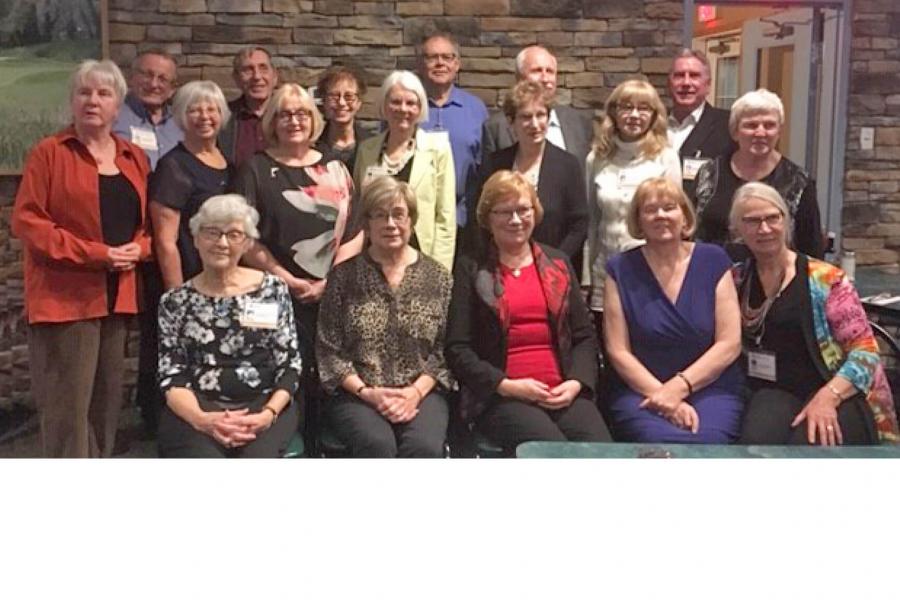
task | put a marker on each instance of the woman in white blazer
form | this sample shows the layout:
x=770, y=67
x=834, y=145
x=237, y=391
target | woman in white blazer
x=420, y=158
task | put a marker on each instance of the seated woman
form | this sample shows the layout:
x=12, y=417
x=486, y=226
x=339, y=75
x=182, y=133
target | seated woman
x=380, y=339
x=229, y=362
x=812, y=361
x=519, y=337
x=672, y=328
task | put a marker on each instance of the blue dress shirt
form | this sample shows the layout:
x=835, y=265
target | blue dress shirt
x=155, y=139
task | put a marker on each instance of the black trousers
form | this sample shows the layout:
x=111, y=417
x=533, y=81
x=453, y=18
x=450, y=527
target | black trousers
x=512, y=422
x=177, y=439
x=770, y=411
x=148, y=396
x=369, y=435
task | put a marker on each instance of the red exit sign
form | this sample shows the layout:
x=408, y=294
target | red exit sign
x=706, y=13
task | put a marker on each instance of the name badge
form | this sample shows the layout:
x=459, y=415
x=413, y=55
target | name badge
x=691, y=166
x=144, y=138
x=261, y=315
x=374, y=171
x=761, y=365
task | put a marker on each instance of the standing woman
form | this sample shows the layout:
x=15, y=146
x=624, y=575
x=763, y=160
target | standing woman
x=80, y=213
x=185, y=177
x=341, y=90
x=381, y=336
x=422, y=159
x=556, y=174
x=632, y=147
x=755, y=124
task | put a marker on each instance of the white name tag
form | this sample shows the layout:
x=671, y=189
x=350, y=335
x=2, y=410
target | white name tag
x=691, y=166
x=374, y=171
x=144, y=138
x=761, y=365
x=261, y=315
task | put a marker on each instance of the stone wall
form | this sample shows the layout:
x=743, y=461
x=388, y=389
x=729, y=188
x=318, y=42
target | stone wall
x=872, y=181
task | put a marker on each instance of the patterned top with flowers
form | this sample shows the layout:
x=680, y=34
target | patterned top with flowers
x=208, y=345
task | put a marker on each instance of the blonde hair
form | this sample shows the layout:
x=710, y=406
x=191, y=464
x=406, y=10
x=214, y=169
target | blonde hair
x=275, y=104
x=660, y=187
x=502, y=185
x=635, y=91
x=381, y=191
x=522, y=94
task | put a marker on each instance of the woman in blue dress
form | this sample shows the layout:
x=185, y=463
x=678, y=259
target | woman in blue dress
x=672, y=328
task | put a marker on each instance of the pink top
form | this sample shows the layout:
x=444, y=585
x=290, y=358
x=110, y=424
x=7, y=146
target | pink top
x=530, y=350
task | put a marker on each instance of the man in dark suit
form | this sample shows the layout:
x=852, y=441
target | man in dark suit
x=697, y=131
x=569, y=129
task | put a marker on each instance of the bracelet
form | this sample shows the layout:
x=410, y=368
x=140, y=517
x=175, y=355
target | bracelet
x=834, y=391
x=274, y=413
x=359, y=391
x=419, y=392
x=686, y=382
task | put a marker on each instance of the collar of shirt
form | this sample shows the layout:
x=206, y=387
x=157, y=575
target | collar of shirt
x=240, y=109
x=553, y=121
x=689, y=121
x=141, y=111
x=453, y=98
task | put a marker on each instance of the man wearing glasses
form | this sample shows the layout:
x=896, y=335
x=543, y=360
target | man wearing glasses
x=453, y=110
x=242, y=136
x=145, y=118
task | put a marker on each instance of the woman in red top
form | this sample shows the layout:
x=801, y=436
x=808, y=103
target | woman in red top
x=80, y=213
x=519, y=338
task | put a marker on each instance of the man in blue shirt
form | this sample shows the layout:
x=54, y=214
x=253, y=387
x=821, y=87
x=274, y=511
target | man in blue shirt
x=453, y=110
x=145, y=118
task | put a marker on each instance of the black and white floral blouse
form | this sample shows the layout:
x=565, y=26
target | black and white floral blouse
x=203, y=345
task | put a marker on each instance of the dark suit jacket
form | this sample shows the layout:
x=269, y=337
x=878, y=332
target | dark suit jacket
x=710, y=137
x=562, y=193
x=476, y=343
x=577, y=129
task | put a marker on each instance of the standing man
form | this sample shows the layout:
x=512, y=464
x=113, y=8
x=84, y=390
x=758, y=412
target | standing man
x=697, y=131
x=145, y=119
x=242, y=136
x=453, y=110
x=569, y=128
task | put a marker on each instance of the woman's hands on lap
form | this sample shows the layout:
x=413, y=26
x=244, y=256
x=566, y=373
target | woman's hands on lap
x=234, y=428
x=397, y=405
x=562, y=395
x=529, y=389
x=821, y=418
x=685, y=416
x=666, y=399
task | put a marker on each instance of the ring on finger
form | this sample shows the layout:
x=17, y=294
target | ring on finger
x=829, y=427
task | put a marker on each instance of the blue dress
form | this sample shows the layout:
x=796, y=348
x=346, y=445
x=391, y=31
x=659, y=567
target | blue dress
x=668, y=338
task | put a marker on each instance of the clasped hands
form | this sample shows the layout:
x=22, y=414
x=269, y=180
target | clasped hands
x=124, y=257
x=669, y=400
x=306, y=290
x=234, y=428
x=541, y=394
x=396, y=404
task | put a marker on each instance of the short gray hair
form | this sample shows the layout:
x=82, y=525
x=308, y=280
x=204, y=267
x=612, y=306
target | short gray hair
x=408, y=81
x=225, y=209
x=520, y=57
x=195, y=92
x=766, y=193
x=444, y=35
x=153, y=52
x=245, y=53
x=381, y=191
x=753, y=103
x=104, y=71
x=695, y=54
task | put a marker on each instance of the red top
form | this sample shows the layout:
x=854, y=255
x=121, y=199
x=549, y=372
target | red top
x=530, y=350
x=57, y=217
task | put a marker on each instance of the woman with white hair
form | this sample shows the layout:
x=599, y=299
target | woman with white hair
x=229, y=361
x=812, y=362
x=185, y=177
x=755, y=124
x=422, y=159
x=80, y=213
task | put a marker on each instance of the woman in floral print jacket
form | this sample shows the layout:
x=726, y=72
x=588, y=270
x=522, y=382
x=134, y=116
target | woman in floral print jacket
x=229, y=362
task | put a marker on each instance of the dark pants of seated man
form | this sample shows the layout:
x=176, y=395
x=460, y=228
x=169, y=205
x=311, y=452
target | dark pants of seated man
x=512, y=422
x=769, y=413
x=369, y=435
x=177, y=439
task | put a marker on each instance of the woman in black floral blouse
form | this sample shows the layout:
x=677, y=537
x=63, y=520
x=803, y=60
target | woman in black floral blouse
x=381, y=336
x=229, y=362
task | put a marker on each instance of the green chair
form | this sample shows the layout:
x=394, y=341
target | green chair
x=296, y=448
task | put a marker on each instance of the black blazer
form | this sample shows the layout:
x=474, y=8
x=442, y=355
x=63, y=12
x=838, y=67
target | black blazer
x=562, y=193
x=710, y=137
x=476, y=345
x=577, y=128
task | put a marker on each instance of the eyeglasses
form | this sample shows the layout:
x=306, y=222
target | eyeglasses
x=506, y=214
x=349, y=97
x=444, y=57
x=287, y=116
x=151, y=77
x=214, y=234
x=627, y=108
x=756, y=222
x=398, y=216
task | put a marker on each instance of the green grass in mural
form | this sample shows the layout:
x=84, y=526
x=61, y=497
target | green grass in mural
x=34, y=95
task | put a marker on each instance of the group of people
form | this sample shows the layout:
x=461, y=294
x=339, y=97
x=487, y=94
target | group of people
x=288, y=261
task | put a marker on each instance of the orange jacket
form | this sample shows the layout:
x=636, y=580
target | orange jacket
x=57, y=217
